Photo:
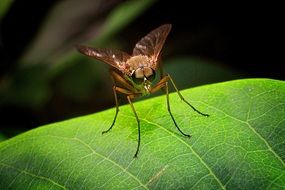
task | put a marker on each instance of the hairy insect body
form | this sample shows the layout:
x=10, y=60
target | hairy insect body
x=134, y=74
x=140, y=64
x=141, y=73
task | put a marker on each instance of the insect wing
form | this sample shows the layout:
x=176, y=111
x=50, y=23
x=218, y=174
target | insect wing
x=152, y=43
x=112, y=57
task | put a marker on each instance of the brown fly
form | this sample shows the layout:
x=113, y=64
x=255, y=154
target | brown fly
x=133, y=74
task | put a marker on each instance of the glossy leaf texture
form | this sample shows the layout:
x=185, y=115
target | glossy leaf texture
x=240, y=146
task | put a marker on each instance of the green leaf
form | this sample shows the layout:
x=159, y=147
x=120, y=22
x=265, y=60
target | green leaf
x=240, y=146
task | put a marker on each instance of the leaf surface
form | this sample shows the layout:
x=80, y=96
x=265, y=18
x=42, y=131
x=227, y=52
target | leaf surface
x=240, y=146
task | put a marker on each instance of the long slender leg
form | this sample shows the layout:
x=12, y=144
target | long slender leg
x=129, y=90
x=169, y=111
x=130, y=95
x=182, y=98
x=167, y=78
x=123, y=91
x=117, y=110
x=138, y=121
x=164, y=84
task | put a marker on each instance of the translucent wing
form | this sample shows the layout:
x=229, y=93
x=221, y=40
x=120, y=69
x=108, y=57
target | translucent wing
x=112, y=57
x=151, y=44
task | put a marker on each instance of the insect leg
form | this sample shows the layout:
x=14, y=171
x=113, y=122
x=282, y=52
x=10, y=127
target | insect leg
x=169, y=110
x=130, y=95
x=163, y=84
x=123, y=91
x=120, y=80
x=182, y=98
x=117, y=110
x=138, y=121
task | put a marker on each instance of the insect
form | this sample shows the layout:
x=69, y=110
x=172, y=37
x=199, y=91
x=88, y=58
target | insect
x=133, y=75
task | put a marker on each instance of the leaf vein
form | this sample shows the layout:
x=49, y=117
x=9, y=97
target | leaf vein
x=194, y=152
x=113, y=162
x=253, y=130
x=33, y=175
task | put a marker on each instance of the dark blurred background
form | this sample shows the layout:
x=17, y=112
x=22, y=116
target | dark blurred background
x=43, y=79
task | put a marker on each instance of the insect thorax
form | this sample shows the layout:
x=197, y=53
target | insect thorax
x=138, y=61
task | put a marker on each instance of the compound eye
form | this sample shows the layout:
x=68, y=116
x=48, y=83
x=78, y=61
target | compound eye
x=151, y=77
x=138, y=76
